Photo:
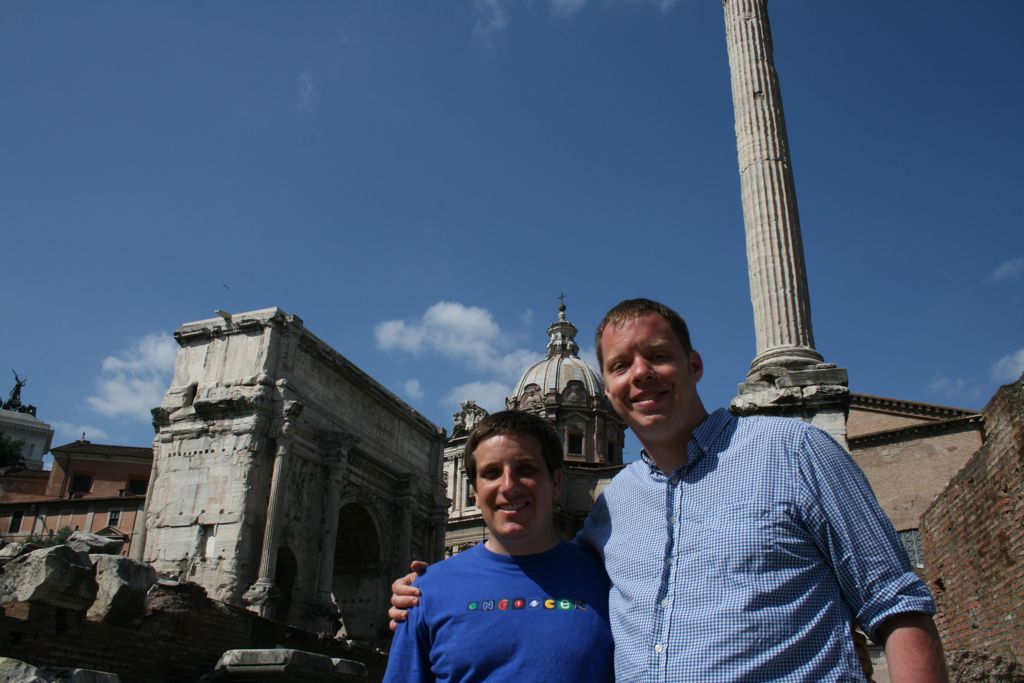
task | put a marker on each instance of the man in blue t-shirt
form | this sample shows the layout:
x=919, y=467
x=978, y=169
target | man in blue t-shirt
x=522, y=606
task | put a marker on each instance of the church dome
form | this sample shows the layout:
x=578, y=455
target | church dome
x=562, y=370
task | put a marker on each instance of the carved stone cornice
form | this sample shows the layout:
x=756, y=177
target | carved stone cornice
x=918, y=431
x=909, y=408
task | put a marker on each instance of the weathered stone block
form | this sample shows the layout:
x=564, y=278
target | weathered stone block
x=281, y=665
x=16, y=671
x=57, y=576
x=122, y=587
x=93, y=544
x=971, y=666
x=819, y=376
x=13, y=550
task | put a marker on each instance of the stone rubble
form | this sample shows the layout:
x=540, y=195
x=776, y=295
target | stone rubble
x=16, y=671
x=58, y=576
x=122, y=587
x=94, y=544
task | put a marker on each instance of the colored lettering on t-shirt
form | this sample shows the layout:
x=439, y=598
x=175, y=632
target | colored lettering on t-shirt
x=506, y=604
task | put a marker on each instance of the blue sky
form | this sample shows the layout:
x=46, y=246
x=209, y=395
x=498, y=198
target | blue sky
x=420, y=180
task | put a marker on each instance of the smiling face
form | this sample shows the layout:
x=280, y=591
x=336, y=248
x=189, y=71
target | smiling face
x=516, y=494
x=651, y=381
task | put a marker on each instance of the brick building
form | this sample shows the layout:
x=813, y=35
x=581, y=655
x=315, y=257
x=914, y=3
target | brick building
x=909, y=451
x=973, y=534
x=92, y=487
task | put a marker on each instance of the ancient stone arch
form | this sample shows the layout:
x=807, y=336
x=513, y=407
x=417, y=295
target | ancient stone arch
x=359, y=570
x=287, y=574
x=264, y=438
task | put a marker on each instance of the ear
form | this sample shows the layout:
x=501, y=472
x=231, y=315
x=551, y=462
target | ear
x=557, y=484
x=696, y=365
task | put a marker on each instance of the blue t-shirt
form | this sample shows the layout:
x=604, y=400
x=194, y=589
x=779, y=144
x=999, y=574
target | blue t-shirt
x=490, y=617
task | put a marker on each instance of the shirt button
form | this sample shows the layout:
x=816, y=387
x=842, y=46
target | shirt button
x=659, y=648
x=668, y=560
x=664, y=602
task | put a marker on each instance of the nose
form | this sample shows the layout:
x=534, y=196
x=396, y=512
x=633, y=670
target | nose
x=509, y=481
x=641, y=370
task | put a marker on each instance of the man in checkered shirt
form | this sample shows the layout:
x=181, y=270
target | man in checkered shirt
x=740, y=549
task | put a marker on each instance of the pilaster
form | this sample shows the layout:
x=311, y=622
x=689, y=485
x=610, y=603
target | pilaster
x=263, y=594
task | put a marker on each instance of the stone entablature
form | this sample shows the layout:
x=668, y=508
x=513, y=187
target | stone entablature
x=914, y=431
x=273, y=453
x=878, y=414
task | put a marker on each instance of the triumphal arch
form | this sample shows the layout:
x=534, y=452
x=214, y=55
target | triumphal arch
x=288, y=480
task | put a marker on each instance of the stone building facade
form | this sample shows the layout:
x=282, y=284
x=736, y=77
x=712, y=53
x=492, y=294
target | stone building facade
x=92, y=487
x=909, y=451
x=568, y=393
x=288, y=480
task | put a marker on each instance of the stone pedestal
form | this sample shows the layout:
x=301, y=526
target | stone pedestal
x=818, y=395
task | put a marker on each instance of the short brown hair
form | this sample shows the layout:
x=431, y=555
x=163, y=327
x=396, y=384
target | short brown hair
x=515, y=423
x=631, y=309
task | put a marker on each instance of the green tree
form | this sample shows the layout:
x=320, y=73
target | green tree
x=51, y=539
x=10, y=450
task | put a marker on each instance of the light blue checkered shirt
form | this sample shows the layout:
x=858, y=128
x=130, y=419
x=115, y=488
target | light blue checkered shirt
x=750, y=562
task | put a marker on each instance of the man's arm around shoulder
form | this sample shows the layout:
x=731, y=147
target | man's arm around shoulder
x=913, y=649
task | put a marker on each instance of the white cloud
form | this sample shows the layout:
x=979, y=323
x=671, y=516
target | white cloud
x=465, y=333
x=307, y=93
x=135, y=380
x=1008, y=270
x=1009, y=368
x=566, y=8
x=956, y=391
x=948, y=386
x=527, y=317
x=488, y=395
x=413, y=389
x=493, y=18
x=67, y=431
x=493, y=15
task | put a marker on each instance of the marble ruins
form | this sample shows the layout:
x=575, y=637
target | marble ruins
x=787, y=376
x=288, y=480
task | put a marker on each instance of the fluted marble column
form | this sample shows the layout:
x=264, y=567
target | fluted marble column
x=336, y=447
x=787, y=376
x=263, y=595
x=775, y=254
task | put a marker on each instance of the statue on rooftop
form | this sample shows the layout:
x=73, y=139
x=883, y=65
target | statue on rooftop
x=13, y=401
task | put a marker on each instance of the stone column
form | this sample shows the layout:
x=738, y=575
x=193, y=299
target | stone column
x=775, y=255
x=263, y=594
x=404, y=504
x=336, y=447
x=787, y=375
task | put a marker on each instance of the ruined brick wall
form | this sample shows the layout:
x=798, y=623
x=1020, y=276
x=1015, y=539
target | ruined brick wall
x=973, y=537
x=180, y=638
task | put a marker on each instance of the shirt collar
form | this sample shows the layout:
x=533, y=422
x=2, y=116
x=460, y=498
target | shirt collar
x=705, y=438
